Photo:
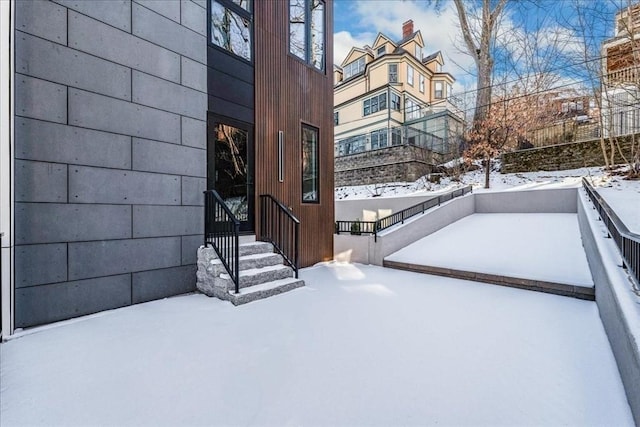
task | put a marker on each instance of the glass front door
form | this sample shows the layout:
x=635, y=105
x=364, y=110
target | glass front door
x=230, y=167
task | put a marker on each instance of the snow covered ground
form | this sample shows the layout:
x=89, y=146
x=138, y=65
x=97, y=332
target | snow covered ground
x=532, y=246
x=359, y=345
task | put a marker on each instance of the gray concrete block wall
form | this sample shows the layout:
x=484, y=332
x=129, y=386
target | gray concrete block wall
x=110, y=153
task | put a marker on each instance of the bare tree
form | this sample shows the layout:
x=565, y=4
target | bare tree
x=479, y=41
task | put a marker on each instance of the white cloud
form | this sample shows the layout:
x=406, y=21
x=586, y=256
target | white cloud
x=343, y=41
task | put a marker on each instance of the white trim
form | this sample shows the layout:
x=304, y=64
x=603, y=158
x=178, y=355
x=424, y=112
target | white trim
x=7, y=22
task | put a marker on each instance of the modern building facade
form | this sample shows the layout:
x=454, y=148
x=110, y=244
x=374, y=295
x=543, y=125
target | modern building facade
x=123, y=112
x=395, y=115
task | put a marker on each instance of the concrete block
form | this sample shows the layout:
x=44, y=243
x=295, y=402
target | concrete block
x=159, y=221
x=96, y=38
x=40, y=182
x=96, y=259
x=49, y=303
x=167, y=8
x=44, y=141
x=113, y=12
x=194, y=133
x=194, y=74
x=192, y=189
x=152, y=156
x=102, y=113
x=190, y=245
x=39, y=264
x=46, y=60
x=156, y=284
x=169, y=34
x=43, y=19
x=55, y=223
x=154, y=92
x=30, y=94
x=193, y=16
x=97, y=185
x=558, y=200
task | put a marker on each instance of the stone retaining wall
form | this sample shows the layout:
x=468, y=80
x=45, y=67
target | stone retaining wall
x=571, y=155
x=391, y=164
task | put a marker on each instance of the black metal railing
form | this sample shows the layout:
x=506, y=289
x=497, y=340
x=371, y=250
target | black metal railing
x=222, y=231
x=281, y=228
x=374, y=227
x=627, y=242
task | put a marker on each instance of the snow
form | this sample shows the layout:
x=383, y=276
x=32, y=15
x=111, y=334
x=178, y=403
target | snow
x=359, y=345
x=544, y=247
x=624, y=198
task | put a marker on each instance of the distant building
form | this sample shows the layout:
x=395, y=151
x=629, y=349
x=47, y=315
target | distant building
x=395, y=115
x=621, y=76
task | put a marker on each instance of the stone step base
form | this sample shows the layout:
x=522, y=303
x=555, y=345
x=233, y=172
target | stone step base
x=262, y=274
x=263, y=290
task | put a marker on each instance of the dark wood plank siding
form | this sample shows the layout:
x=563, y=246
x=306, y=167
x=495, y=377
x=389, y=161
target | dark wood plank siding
x=289, y=93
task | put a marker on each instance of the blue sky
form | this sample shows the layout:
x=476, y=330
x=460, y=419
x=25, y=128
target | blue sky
x=357, y=22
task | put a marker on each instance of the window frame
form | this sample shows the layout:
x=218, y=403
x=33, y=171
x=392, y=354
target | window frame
x=382, y=48
x=395, y=74
x=398, y=104
x=380, y=102
x=436, y=90
x=308, y=15
x=421, y=82
x=410, y=72
x=242, y=13
x=336, y=118
x=307, y=126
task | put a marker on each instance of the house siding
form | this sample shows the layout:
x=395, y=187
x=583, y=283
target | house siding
x=110, y=137
x=290, y=93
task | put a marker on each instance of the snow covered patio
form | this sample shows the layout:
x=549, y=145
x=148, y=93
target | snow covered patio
x=533, y=246
x=359, y=345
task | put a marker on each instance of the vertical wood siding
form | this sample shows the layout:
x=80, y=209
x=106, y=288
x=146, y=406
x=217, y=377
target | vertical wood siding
x=289, y=93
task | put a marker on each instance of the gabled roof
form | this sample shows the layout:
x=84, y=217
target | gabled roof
x=434, y=57
x=382, y=39
x=354, y=53
x=415, y=34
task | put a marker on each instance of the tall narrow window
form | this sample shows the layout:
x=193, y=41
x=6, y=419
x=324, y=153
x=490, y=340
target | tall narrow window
x=421, y=80
x=410, y=75
x=231, y=26
x=438, y=90
x=393, y=73
x=395, y=101
x=306, y=31
x=336, y=118
x=310, y=165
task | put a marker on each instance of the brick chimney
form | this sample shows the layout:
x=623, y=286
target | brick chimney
x=407, y=28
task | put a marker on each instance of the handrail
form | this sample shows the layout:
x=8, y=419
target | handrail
x=281, y=228
x=628, y=243
x=374, y=227
x=222, y=231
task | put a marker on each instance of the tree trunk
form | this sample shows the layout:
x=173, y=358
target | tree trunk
x=487, y=171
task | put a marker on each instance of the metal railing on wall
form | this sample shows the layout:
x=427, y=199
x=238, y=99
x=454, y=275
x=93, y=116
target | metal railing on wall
x=374, y=227
x=222, y=231
x=628, y=243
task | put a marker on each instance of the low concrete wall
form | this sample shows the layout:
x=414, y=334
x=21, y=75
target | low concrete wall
x=561, y=200
x=366, y=250
x=350, y=210
x=617, y=305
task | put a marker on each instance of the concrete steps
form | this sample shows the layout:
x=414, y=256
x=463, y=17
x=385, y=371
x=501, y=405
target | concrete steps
x=262, y=274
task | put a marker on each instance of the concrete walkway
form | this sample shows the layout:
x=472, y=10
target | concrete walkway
x=540, y=252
